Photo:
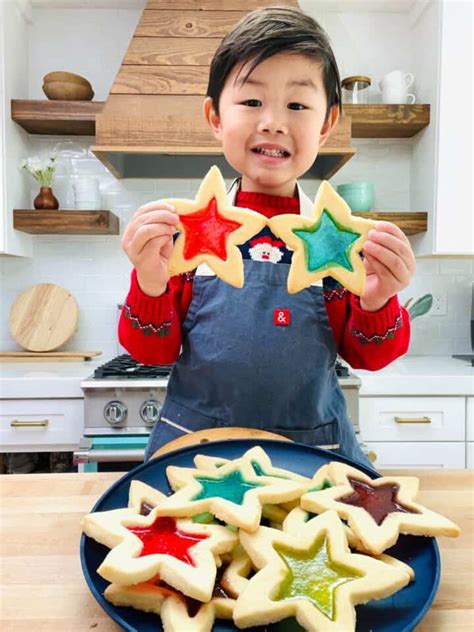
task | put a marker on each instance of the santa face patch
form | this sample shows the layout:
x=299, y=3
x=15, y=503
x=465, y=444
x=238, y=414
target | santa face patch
x=266, y=247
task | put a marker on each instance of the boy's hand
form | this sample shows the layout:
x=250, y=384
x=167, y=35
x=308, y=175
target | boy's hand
x=148, y=242
x=390, y=264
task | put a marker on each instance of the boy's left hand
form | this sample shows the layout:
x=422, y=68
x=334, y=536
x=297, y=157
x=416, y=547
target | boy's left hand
x=390, y=264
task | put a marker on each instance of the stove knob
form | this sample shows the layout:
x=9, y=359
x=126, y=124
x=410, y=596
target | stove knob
x=150, y=411
x=115, y=412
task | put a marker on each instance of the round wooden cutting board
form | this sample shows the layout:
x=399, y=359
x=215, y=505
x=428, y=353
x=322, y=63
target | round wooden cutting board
x=217, y=434
x=43, y=317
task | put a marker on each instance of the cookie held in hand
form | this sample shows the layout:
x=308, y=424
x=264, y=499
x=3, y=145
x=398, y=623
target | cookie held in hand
x=377, y=510
x=328, y=243
x=211, y=229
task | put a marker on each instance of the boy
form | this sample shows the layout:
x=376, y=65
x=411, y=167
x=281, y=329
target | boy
x=273, y=99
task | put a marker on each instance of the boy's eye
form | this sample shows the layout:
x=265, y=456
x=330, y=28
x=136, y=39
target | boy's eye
x=296, y=106
x=253, y=103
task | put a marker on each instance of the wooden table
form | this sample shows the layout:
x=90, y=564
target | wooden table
x=43, y=589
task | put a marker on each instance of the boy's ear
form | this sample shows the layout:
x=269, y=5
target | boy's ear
x=329, y=124
x=212, y=117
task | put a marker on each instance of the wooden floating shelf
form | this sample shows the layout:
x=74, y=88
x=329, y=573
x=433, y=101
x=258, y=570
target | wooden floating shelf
x=387, y=121
x=71, y=118
x=66, y=222
x=63, y=118
x=411, y=222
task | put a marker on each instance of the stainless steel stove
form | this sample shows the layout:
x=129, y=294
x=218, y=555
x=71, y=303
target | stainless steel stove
x=123, y=400
x=124, y=397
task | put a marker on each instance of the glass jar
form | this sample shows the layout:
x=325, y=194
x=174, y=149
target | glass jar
x=355, y=89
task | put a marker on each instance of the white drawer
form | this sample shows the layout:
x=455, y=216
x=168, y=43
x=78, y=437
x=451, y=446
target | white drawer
x=470, y=455
x=470, y=419
x=396, y=418
x=419, y=455
x=40, y=423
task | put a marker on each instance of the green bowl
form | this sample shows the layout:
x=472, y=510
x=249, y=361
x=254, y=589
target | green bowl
x=358, y=195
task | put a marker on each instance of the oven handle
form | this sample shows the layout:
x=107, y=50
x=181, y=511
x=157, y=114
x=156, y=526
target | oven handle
x=107, y=456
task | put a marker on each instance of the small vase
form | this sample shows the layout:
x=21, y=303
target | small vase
x=45, y=200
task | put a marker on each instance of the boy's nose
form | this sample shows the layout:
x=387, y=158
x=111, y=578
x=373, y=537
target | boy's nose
x=272, y=124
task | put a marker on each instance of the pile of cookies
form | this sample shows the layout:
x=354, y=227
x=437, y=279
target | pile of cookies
x=253, y=543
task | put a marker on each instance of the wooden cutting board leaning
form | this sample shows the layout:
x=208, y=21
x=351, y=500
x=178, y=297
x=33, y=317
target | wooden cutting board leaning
x=44, y=317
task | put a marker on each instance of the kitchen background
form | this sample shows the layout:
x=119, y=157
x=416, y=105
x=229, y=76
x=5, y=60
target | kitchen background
x=91, y=42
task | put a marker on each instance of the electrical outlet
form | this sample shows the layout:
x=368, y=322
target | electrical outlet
x=440, y=304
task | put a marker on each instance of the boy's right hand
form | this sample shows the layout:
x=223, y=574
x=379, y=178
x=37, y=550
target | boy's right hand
x=148, y=242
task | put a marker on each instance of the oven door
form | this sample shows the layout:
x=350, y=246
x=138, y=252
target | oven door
x=109, y=453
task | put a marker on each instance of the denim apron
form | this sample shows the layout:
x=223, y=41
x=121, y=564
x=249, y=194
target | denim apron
x=257, y=357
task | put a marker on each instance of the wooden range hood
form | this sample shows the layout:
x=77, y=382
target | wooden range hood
x=152, y=124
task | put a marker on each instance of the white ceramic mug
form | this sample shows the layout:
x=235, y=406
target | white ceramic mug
x=397, y=94
x=397, y=78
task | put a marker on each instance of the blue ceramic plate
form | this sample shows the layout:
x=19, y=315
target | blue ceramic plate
x=399, y=613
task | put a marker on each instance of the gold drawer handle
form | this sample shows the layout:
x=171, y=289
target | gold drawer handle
x=15, y=423
x=372, y=456
x=413, y=420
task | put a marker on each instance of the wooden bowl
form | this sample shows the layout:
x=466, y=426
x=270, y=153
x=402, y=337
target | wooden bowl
x=69, y=77
x=66, y=91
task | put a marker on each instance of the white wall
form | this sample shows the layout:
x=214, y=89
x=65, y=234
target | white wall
x=92, y=43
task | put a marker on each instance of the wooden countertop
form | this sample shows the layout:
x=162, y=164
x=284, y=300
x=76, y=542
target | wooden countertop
x=44, y=590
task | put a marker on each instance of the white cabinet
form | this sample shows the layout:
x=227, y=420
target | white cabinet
x=441, y=170
x=14, y=192
x=41, y=425
x=415, y=432
x=419, y=455
x=470, y=432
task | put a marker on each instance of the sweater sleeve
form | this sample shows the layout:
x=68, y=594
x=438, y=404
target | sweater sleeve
x=366, y=340
x=150, y=327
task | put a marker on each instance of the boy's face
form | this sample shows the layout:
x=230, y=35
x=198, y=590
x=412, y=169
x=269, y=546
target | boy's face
x=271, y=126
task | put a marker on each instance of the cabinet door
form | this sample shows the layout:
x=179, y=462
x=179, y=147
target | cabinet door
x=470, y=419
x=41, y=425
x=470, y=455
x=454, y=230
x=410, y=419
x=419, y=455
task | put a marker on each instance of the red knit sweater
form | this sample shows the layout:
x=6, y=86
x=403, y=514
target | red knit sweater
x=150, y=327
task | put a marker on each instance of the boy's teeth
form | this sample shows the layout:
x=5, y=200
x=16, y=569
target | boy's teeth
x=270, y=152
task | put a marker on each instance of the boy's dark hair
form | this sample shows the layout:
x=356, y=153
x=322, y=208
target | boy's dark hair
x=266, y=32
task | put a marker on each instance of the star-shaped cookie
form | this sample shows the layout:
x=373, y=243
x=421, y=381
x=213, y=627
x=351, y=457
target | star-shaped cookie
x=233, y=492
x=262, y=466
x=145, y=543
x=377, y=510
x=259, y=460
x=312, y=576
x=211, y=229
x=178, y=612
x=327, y=244
x=297, y=518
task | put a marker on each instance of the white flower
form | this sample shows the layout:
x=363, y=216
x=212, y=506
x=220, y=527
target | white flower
x=41, y=167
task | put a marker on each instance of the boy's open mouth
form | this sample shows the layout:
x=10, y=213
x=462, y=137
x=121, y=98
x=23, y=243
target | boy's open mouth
x=272, y=152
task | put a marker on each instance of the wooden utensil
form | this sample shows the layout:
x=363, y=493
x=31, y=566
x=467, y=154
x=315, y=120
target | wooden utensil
x=43, y=317
x=217, y=434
